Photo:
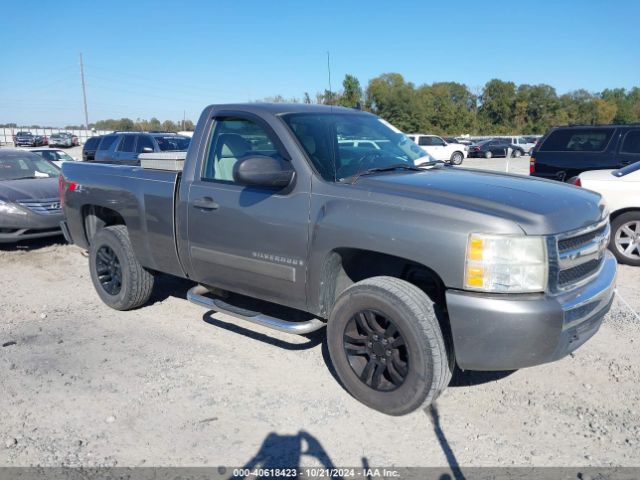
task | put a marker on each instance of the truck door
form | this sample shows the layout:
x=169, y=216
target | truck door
x=247, y=239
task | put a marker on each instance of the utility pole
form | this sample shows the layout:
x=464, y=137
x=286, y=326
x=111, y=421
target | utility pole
x=84, y=94
x=329, y=70
x=184, y=117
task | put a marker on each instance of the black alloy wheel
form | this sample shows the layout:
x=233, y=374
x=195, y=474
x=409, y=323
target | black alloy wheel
x=109, y=270
x=376, y=350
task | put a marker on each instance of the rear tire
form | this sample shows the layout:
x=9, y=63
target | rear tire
x=488, y=154
x=119, y=279
x=387, y=347
x=457, y=158
x=625, y=232
x=516, y=153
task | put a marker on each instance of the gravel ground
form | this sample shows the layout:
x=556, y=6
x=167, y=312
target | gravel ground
x=170, y=384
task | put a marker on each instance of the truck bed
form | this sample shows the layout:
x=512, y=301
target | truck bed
x=144, y=198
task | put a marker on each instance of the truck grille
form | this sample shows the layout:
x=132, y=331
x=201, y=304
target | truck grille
x=46, y=206
x=578, y=256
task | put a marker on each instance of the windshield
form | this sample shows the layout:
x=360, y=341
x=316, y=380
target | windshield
x=343, y=145
x=26, y=165
x=54, y=155
x=173, y=142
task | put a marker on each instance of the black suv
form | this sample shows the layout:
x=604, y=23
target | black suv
x=566, y=152
x=89, y=148
x=124, y=147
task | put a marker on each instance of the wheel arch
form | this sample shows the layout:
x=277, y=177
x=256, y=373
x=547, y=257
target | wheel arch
x=345, y=266
x=96, y=217
x=622, y=211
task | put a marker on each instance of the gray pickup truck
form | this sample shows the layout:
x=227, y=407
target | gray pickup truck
x=341, y=221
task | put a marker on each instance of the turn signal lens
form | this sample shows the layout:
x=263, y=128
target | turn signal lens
x=506, y=263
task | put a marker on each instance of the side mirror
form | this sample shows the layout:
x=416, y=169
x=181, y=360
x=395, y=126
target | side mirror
x=262, y=170
x=147, y=150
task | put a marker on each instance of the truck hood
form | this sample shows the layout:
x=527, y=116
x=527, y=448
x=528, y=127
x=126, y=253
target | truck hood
x=539, y=207
x=28, y=189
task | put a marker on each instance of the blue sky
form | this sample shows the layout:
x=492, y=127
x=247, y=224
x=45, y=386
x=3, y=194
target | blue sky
x=161, y=58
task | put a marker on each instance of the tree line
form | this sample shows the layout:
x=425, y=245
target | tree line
x=498, y=108
x=451, y=108
x=141, y=125
x=123, y=124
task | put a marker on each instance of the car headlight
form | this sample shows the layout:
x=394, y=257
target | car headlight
x=11, y=208
x=506, y=263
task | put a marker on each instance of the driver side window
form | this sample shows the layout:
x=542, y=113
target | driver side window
x=233, y=139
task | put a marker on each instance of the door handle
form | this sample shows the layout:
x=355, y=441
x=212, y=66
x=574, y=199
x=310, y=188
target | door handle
x=205, y=203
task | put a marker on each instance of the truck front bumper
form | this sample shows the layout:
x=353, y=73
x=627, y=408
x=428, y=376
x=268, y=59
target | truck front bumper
x=507, y=332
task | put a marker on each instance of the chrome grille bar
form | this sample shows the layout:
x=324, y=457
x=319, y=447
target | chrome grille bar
x=45, y=206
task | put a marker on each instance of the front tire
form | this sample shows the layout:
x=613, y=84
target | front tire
x=457, y=158
x=625, y=238
x=488, y=154
x=387, y=347
x=121, y=282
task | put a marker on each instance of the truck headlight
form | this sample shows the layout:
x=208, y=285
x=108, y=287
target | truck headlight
x=11, y=209
x=506, y=263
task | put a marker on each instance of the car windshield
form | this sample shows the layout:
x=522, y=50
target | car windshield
x=26, y=165
x=174, y=142
x=54, y=155
x=345, y=145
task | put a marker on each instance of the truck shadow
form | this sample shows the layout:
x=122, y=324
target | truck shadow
x=286, y=451
x=314, y=339
x=169, y=286
x=467, y=378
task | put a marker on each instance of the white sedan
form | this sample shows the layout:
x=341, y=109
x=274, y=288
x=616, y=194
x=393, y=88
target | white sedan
x=56, y=156
x=621, y=191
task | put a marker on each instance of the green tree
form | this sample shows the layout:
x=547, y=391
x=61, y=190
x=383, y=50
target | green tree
x=624, y=105
x=328, y=98
x=154, y=124
x=169, y=126
x=497, y=104
x=446, y=108
x=535, y=108
x=352, y=93
x=390, y=97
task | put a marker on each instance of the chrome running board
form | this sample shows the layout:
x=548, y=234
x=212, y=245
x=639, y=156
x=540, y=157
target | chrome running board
x=198, y=296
